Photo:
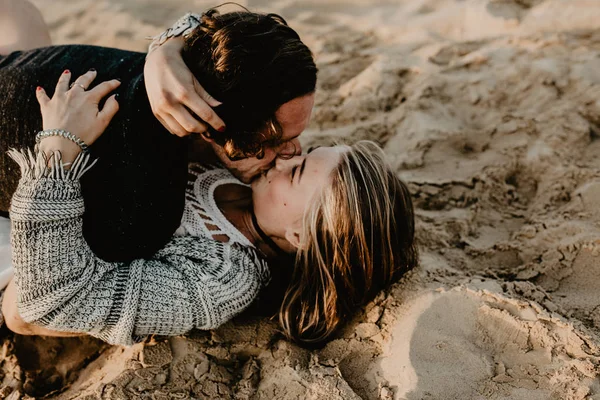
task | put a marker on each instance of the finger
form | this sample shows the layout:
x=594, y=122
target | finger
x=111, y=106
x=204, y=95
x=63, y=82
x=173, y=126
x=86, y=79
x=167, y=126
x=41, y=96
x=190, y=124
x=204, y=112
x=103, y=89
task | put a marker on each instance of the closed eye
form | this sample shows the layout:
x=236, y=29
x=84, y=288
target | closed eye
x=293, y=173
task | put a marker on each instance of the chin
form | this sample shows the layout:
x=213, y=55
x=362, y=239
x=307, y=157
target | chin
x=258, y=175
x=256, y=180
x=245, y=179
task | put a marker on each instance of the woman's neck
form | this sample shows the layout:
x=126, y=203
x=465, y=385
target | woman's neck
x=269, y=246
x=235, y=202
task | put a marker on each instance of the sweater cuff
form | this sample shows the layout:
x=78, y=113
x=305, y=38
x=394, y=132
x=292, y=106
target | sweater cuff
x=47, y=190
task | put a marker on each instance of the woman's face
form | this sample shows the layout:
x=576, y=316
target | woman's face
x=281, y=195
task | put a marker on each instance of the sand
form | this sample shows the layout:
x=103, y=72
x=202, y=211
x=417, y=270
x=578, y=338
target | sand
x=490, y=111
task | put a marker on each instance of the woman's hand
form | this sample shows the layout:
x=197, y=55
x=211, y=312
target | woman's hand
x=75, y=109
x=173, y=91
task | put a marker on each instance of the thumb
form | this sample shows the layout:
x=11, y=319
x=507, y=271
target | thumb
x=111, y=106
x=204, y=95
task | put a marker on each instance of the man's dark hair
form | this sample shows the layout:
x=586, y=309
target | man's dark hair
x=253, y=63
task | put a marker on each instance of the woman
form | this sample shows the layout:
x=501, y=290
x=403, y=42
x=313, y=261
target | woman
x=341, y=209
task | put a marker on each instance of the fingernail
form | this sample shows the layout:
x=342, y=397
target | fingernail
x=39, y=88
x=66, y=71
x=221, y=129
x=93, y=69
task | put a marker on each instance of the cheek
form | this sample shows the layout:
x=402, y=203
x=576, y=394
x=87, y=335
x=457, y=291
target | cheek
x=268, y=196
x=277, y=193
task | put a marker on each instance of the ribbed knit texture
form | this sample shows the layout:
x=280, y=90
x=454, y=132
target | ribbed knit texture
x=192, y=282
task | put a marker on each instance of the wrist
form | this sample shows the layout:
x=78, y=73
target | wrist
x=68, y=150
x=170, y=49
x=181, y=29
x=174, y=44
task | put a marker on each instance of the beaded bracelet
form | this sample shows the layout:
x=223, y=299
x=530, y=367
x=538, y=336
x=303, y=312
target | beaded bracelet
x=62, y=133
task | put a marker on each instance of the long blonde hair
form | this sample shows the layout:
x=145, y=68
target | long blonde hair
x=358, y=238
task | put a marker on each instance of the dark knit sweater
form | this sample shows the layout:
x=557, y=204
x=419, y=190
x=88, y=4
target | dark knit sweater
x=134, y=196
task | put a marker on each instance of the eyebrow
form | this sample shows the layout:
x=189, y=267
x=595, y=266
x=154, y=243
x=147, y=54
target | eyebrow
x=302, y=169
x=304, y=161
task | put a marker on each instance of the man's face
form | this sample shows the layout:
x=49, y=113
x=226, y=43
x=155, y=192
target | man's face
x=293, y=117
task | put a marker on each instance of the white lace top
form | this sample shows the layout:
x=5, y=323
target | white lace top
x=202, y=216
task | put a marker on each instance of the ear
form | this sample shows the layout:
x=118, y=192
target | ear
x=292, y=235
x=206, y=136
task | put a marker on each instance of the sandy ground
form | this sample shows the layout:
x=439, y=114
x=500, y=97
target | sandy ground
x=490, y=110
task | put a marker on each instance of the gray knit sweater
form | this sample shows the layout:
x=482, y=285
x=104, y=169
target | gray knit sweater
x=193, y=282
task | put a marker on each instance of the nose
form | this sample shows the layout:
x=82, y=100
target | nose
x=279, y=163
x=282, y=163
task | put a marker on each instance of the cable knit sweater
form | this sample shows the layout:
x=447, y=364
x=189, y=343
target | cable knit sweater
x=192, y=282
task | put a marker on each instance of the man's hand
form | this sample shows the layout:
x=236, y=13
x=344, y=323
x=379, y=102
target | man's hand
x=173, y=91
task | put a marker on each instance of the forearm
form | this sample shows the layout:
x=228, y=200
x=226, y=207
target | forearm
x=67, y=149
x=61, y=284
x=49, y=252
x=171, y=47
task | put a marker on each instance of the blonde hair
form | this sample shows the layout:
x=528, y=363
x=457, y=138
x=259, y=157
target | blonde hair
x=358, y=238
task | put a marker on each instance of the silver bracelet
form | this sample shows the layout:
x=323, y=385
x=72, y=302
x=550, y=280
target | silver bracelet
x=62, y=133
x=183, y=27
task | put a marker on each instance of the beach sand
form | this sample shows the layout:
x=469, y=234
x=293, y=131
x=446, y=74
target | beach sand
x=490, y=111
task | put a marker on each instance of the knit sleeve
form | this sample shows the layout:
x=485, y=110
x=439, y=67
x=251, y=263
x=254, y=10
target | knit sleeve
x=191, y=283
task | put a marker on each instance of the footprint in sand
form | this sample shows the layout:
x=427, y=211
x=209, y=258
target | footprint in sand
x=450, y=345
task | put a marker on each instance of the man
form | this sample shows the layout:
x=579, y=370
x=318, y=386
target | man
x=135, y=195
